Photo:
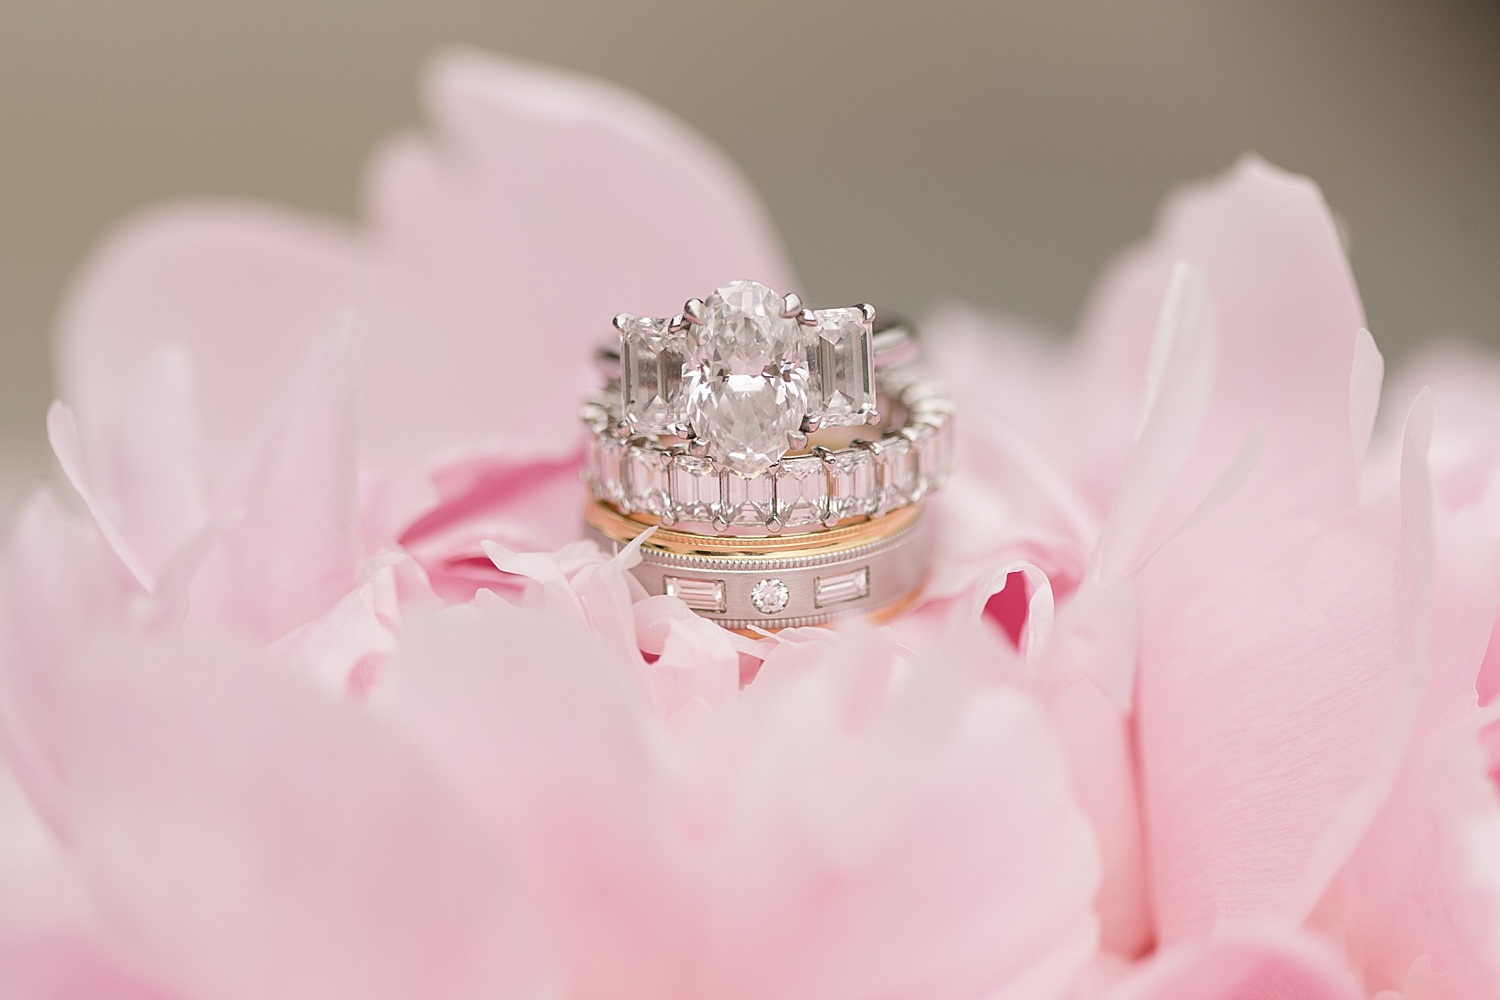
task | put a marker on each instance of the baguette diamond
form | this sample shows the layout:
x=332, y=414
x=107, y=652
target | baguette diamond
x=841, y=587
x=652, y=361
x=700, y=595
x=842, y=359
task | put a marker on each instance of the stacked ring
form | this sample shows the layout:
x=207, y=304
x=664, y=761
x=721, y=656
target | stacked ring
x=741, y=428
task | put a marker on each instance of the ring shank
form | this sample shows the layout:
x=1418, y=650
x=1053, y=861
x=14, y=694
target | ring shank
x=864, y=572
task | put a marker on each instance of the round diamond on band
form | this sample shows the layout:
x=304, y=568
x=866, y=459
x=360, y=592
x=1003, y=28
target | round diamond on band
x=770, y=596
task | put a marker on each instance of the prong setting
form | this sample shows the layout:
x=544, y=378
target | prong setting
x=746, y=374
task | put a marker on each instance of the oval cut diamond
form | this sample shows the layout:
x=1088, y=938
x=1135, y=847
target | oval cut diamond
x=748, y=390
x=746, y=418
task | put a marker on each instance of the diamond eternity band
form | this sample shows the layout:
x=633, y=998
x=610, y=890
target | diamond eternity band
x=821, y=488
x=708, y=422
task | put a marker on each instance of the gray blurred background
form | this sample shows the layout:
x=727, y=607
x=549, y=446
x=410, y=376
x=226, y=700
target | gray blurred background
x=998, y=152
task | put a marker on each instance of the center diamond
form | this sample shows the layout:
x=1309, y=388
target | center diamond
x=747, y=391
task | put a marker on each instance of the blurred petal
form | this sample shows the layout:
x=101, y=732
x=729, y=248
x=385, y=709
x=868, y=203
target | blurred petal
x=498, y=249
x=148, y=467
x=1288, y=313
x=62, y=433
x=39, y=885
x=60, y=589
x=1179, y=381
x=1283, y=653
x=258, y=839
x=1033, y=627
x=1465, y=383
x=697, y=661
x=923, y=843
x=547, y=732
x=356, y=634
x=1241, y=965
x=1410, y=894
x=522, y=503
x=814, y=842
x=1364, y=394
x=60, y=966
x=1099, y=741
x=241, y=289
x=290, y=552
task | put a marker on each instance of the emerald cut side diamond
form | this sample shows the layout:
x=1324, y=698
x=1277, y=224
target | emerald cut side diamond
x=841, y=357
x=652, y=362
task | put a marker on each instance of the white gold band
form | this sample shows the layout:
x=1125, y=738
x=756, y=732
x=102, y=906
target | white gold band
x=874, y=571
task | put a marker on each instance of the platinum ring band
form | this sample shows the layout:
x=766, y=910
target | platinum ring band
x=791, y=590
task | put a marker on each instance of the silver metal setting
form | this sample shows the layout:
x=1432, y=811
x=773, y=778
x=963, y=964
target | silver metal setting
x=679, y=482
x=743, y=368
x=818, y=588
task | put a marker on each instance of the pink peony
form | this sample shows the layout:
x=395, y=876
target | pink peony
x=308, y=690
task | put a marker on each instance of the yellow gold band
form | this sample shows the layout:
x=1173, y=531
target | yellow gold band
x=616, y=526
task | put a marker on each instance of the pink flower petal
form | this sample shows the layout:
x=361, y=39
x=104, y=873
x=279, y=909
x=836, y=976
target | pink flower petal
x=61, y=966
x=1409, y=894
x=548, y=732
x=1178, y=386
x=520, y=502
x=497, y=252
x=62, y=433
x=242, y=289
x=1288, y=319
x=291, y=548
x=1033, y=626
x=256, y=838
x=810, y=840
x=147, y=466
x=1281, y=664
x=1241, y=965
x=1099, y=742
x=913, y=841
x=1365, y=381
x=60, y=589
x=1465, y=384
x=698, y=662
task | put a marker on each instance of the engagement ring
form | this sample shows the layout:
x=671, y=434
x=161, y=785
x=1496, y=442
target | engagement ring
x=774, y=441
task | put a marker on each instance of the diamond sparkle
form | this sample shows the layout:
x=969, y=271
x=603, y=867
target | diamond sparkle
x=747, y=391
x=770, y=596
x=740, y=378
